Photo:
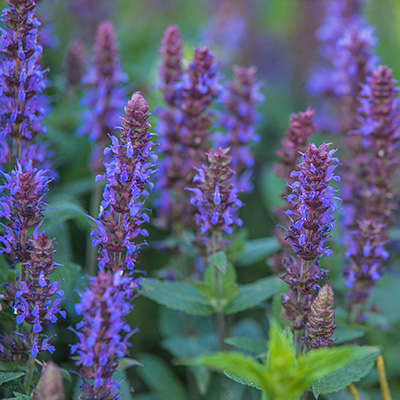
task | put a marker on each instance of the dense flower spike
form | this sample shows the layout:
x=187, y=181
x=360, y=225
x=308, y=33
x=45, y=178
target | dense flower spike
x=21, y=81
x=104, y=97
x=127, y=179
x=320, y=325
x=366, y=253
x=301, y=128
x=171, y=178
x=215, y=198
x=21, y=204
x=31, y=297
x=313, y=202
x=75, y=62
x=240, y=99
x=103, y=333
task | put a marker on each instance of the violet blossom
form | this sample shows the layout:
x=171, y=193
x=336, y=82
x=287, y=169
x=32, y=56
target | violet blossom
x=75, y=59
x=104, y=96
x=127, y=178
x=103, y=333
x=215, y=199
x=240, y=100
x=22, y=82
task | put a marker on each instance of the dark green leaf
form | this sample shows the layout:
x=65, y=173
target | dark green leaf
x=218, y=260
x=253, y=345
x=202, y=377
x=252, y=294
x=177, y=296
x=61, y=211
x=353, y=371
x=9, y=376
x=160, y=378
x=257, y=250
x=241, y=380
x=126, y=363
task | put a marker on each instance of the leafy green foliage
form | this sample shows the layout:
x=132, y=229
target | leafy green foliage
x=282, y=375
x=257, y=250
x=9, y=376
x=253, y=345
x=218, y=260
x=160, y=378
x=178, y=296
x=353, y=371
x=61, y=211
x=252, y=294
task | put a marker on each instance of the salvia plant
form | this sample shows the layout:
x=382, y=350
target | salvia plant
x=178, y=243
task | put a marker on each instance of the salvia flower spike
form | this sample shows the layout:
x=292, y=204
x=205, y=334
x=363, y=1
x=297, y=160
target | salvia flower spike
x=75, y=60
x=313, y=202
x=103, y=333
x=320, y=325
x=22, y=82
x=215, y=198
x=127, y=178
x=104, y=95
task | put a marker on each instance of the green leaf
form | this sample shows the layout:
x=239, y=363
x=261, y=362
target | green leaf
x=61, y=211
x=252, y=294
x=347, y=335
x=21, y=396
x=202, y=377
x=353, y=371
x=160, y=378
x=257, y=250
x=218, y=260
x=177, y=296
x=66, y=272
x=253, y=345
x=236, y=364
x=241, y=380
x=126, y=363
x=9, y=376
x=65, y=374
x=272, y=188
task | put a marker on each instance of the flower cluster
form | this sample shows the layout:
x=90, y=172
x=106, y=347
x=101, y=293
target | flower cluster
x=21, y=205
x=21, y=82
x=240, y=100
x=313, y=202
x=320, y=324
x=170, y=177
x=31, y=297
x=104, y=97
x=127, y=179
x=75, y=62
x=215, y=198
x=103, y=333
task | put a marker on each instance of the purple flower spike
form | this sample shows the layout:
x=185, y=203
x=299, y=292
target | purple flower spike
x=102, y=334
x=313, y=202
x=215, y=199
x=127, y=179
x=240, y=100
x=104, y=97
x=75, y=62
x=22, y=82
x=320, y=324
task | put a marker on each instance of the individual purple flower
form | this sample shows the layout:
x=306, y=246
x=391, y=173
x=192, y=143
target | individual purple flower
x=104, y=95
x=75, y=60
x=313, y=202
x=127, y=180
x=215, y=199
x=22, y=82
x=240, y=100
x=320, y=323
x=103, y=333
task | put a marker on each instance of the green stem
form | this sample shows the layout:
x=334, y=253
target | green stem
x=29, y=373
x=220, y=317
x=94, y=211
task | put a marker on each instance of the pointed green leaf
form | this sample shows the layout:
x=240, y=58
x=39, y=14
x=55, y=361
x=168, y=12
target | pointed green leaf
x=218, y=260
x=9, y=376
x=255, y=346
x=257, y=250
x=202, y=377
x=352, y=371
x=252, y=294
x=61, y=211
x=241, y=380
x=160, y=378
x=237, y=364
x=177, y=296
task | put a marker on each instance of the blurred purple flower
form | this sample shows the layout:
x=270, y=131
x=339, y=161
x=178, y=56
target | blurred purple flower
x=104, y=96
x=75, y=60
